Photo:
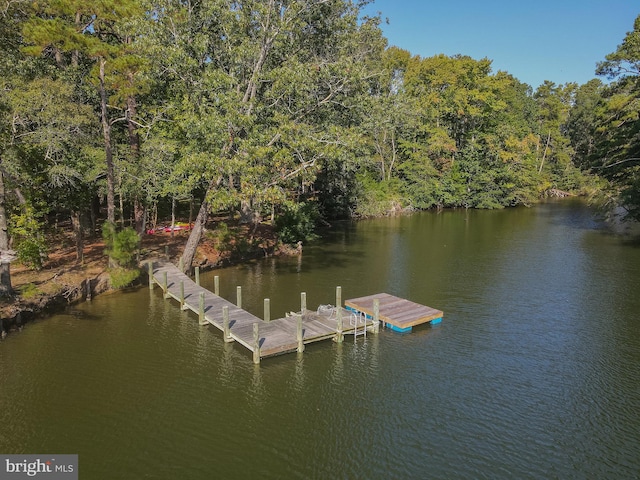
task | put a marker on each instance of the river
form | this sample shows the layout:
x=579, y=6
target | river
x=533, y=373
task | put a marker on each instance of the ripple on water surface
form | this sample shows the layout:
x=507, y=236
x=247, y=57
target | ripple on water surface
x=532, y=374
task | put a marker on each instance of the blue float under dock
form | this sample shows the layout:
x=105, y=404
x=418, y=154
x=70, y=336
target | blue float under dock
x=397, y=313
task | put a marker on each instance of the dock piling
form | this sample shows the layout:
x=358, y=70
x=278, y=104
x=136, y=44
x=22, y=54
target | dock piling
x=239, y=296
x=303, y=302
x=150, y=264
x=339, y=335
x=376, y=315
x=256, y=343
x=216, y=285
x=181, y=264
x=165, y=285
x=198, y=276
x=299, y=334
x=182, y=307
x=201, y=319
x=225, y=324
x=267, y=310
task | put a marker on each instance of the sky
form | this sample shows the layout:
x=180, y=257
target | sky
x=533, y=40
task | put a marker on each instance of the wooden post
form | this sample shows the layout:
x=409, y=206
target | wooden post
x=165, y=285
x=181, y=265
x=225, y=324
x=256, y=343
x=267, y=310
x=376, y=315
x=201, y=319
x=198, y=276
x=150, y=264
x=303, y=302
x=181, y=294
x=216, y=285
x=239, y=296
x=339, y=336
x=299, y=335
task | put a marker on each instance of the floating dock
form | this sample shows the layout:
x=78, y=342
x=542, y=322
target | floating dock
x=396, y=313
x=267, y=338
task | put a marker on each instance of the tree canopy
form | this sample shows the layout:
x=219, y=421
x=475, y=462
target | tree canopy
x=258, y=107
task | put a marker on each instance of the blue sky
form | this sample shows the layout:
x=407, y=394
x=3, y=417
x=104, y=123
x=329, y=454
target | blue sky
x=559, y=40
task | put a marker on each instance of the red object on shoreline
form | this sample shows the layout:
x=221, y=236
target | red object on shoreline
x=167, y=229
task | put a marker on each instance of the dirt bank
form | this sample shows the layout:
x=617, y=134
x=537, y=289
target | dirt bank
x=64, y=281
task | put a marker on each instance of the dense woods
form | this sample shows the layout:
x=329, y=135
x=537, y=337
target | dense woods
x=280, y=110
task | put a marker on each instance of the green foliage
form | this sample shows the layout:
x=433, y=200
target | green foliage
x=604, y=125
x=297, y=223
x=377, y=199
x=122, y=246
x=29, y=291
x=29, y=240
x=299, y=109
x=223, y=237
x=123, y=277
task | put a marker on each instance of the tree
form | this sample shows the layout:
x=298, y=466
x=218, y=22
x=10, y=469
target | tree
x=554, y=149
x=87, y=28
x=51, y=133
x=616, y=154
x=11, y=13
x=268, y=91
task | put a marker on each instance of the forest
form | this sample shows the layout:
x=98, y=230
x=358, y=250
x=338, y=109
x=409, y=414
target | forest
x=116, y=114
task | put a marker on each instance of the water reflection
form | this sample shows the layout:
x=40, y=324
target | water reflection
x=257, y=389
x=299, y=382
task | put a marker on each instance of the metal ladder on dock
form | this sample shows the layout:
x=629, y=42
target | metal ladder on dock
x=356, y=318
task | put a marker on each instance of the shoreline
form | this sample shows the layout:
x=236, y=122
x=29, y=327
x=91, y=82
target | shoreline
x=64, y=282
x=92, y=278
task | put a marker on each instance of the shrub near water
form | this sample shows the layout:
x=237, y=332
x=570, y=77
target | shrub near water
x=297, y=223
x=121, y=248
x=27, y=232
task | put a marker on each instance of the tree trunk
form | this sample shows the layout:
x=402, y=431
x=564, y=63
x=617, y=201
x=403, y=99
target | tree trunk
x=544, y=155
x=134, y=147
x=5, y=267
x=121, y=204
x=247, y=213
x=95, y=211
x=198, y=227
x=194, y=237
x=76, y=222
x=138, y=215
x=173, y=215
x=5, y=279
x=106, y=132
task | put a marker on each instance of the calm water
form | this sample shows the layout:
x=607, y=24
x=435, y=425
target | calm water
x=534, y=372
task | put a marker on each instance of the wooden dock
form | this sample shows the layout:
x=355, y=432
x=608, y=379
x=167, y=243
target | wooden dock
x=262, y=338
x=397, y=313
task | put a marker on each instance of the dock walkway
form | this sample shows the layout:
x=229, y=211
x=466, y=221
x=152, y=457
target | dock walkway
x=262, y=338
